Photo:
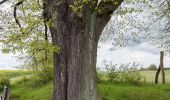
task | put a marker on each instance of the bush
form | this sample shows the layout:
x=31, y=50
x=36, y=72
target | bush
x=152, y=67
x=4, y=81
x=112, y=74
x=122, y=73
x=99, y=75
x=142, y=69
x=42, y=77
x=130, y=74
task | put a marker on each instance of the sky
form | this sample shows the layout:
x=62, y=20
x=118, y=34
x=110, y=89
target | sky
x=143, y=53
x=8, y=61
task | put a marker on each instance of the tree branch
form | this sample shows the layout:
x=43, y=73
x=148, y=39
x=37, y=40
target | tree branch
x=45, y=31
x=103, y=17
x=108, y=7
x=15, y=13
x=3, y=1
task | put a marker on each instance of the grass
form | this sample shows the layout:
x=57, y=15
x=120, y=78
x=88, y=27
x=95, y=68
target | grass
x=25, y=91
x=28, y=90
x=134, y=92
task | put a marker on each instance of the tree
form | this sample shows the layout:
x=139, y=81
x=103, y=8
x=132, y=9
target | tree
x=77, y=26
x=27, y=33
x=152, y=67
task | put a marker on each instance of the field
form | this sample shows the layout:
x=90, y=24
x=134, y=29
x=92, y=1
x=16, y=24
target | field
x=13, y=73
x=150, y=76
x=26, y=89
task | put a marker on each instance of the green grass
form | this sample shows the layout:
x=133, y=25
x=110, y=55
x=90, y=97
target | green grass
x=25, y=91
x=28, y=90
x=134, y=92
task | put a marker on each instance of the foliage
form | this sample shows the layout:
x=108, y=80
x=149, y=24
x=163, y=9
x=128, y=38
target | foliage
x=128, y=26
x=100, y=75
x=112, y=74
x=130, y=74
x=159, y=29
x=31, y=39
x=4, y=81
x=142, y=69
x=123, y=73
x=43, y=77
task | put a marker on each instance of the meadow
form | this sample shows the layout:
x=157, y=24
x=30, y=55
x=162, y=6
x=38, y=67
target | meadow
x=25, y=88
x=150, y=75
x=14, y=73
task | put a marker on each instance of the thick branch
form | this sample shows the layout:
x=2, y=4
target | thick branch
x=15, y=13
x=108, y=7
x=45, y=31
x=46, y=40
x=3, y=1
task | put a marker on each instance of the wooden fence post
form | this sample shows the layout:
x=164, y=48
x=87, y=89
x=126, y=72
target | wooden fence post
x=5, y=95
x=161, y=68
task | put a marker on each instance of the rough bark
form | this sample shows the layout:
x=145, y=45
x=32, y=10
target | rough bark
x=77, y=37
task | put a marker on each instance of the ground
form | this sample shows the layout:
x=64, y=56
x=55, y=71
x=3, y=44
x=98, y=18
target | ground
x=25, y=89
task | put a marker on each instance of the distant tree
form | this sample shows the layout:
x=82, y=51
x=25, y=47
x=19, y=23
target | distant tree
x=152, y=67
x=142, y=69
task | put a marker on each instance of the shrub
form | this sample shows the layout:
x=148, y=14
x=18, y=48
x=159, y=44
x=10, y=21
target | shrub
x=129, y=74
x=123, y=73
x=4, y=81
x=42, y=77
x=99, y=75
x=142, y=69
x=112, y=74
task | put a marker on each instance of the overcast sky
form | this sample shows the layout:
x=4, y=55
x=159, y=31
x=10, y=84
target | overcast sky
x=143, y=53
x=8, y=61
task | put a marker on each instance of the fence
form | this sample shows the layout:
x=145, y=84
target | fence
x=5, y=94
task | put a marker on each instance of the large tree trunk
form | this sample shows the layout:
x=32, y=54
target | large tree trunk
x=75, y=64
x=77, y=36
